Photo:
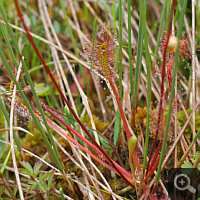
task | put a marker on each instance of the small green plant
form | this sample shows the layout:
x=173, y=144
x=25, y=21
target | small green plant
x=41, y=181
x=187, y=164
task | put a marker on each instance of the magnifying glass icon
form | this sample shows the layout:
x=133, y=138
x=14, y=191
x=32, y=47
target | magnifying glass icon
x=182, y=182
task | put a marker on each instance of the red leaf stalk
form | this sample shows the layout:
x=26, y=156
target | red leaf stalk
x=123, y=173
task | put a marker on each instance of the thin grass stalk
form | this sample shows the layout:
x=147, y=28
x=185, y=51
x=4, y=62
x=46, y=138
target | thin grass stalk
x=160, y=110
x=181, y=20
x=138, y=64
x=10, y=31
x=61, y=94
x=114, y=16
x=130, y=48
x=148, y=63
x=193, y=73
x=120, y=48
x=176, y=124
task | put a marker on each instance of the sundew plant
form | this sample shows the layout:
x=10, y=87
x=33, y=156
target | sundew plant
x=98, y=99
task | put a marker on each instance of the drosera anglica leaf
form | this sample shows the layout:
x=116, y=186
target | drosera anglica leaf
x=102, y=55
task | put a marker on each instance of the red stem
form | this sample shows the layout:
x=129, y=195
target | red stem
x=128, y=134
x=83, y=148
x=153, y=169
x=160, y=112
x=117, y=166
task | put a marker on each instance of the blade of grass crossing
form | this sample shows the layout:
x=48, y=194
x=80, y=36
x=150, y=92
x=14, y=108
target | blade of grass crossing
x=179, y=33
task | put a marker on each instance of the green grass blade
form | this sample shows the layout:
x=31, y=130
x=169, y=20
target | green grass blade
x=61, y=193
x=148, y=65
x=130, y=47
x=138, y=63
x=117, y=127
x=114, y=16
x=5, y=162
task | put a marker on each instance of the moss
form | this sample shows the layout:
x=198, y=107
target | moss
x=100, y=125
x=140, y=122
x=34, y=143
x=182, y=120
